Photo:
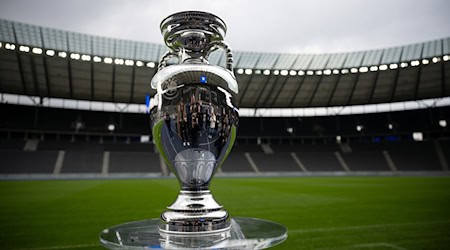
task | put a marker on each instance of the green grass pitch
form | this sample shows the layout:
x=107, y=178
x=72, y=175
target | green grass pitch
x=320, y=212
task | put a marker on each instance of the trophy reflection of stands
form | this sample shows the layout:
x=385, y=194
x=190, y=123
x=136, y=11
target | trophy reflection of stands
x=194, y=126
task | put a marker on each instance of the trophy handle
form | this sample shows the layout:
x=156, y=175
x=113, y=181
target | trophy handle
x=229, y=53
x=165, y=58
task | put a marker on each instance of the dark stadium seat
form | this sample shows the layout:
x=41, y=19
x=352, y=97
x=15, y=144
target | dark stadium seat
x=236, y=162
x=134, y=162
x=366, y=161
x=319, y=161
x=277, y=162
x=83, y=161
x=418, y=156
x=20, y=162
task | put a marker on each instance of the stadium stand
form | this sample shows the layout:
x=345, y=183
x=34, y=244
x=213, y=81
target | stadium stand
x=53, y=82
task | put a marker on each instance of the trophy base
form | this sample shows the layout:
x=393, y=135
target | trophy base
x=244, y=233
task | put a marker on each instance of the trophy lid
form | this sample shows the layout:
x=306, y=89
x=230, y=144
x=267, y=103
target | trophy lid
x=192, y=30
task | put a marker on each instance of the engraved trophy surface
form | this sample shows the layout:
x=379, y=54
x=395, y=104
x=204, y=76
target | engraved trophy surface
x=194, y=124
x=195, y=118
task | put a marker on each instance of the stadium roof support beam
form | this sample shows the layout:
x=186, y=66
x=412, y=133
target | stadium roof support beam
x=133, y=77
x=416, y=91
x=113, y=87
x=296, y=91
x=338, y=78
x=34, y=75
x=262, y=91
x=249, y=81
x=397, y=75
x=443, y=78
x=279, y=91
x=47, y=79
x=92, y=71
x=19, y=61
x=270, y=91
x=69, y=67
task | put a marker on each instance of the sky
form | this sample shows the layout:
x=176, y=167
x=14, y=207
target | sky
x=315, y=26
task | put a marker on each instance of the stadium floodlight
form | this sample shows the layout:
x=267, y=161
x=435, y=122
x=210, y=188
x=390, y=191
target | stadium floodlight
x=284, y=72
x=415, y=63
x=344, y=71
x=335, y=72
x=404, y=64
x=359, y=128
x=417, y=136
x=443, y=123
x=363, y=69
x=266, y=72
x=425, y=61
x=338, y=139
x=436, y=59
x=1, y=44
x=151, y=65
x=390, y=126
x=118, y=61
x=129, y=62
x=292, y=72
x=276, y=72
x=139, y=63
x=145, y=138
x=373, y=68
x=24, y=49
x=10, y=46
x=354, y=70
x=62, y=54
x=383, y=67
x=75, y=56
x=301, y=73
x=445, y=58
x=86, y=58
x=37, y=51
x=50, y=52
x=195, y=152
x=393, y=66
x=310, y=72
x=240, y=71
x=111, y=127
x=108, y=60
x=258, y=72
x=290, y=130
x=97, y=59
x=327, y=72
x=318, y=72
x=248, y=71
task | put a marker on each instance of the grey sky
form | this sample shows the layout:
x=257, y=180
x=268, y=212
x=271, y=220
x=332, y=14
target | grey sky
x=274, y=26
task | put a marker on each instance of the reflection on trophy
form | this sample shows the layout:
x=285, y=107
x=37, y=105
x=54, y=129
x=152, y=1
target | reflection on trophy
x=195, y=118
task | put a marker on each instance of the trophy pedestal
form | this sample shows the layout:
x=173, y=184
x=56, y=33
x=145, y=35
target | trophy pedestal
x=244, y=233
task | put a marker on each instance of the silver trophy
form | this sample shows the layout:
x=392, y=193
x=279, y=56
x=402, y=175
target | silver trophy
x=195, y=118
x=194, y=123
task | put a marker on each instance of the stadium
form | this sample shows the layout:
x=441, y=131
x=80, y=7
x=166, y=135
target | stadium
x=348, y=150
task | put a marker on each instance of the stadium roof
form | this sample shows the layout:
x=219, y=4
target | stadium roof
x=46, y=62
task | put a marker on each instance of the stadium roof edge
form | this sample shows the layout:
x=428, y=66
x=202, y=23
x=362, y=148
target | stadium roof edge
x=74, y=42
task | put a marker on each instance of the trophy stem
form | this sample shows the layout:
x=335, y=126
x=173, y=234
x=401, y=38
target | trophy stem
x=194, y=212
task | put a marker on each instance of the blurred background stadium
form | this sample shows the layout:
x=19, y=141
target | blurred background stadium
x=74, y=107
